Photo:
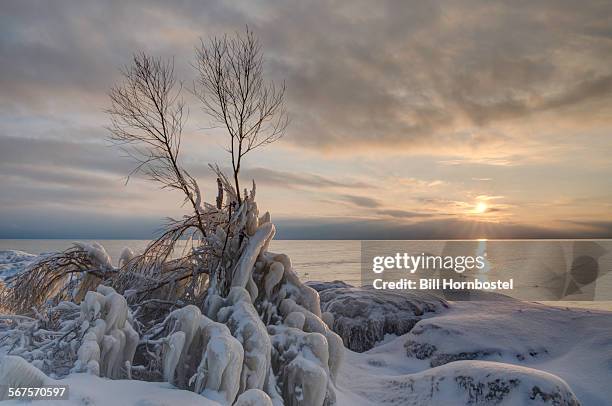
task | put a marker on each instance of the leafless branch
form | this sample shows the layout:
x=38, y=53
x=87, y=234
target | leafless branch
x=147, y=116
x=61, y=276
x=234, y=94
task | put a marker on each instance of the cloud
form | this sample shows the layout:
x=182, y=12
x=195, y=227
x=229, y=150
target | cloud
x=54, y=222
x=594, y=226
x=435, y=229
x=296, y=180
x=416, y=75
x=361, y=201
x=403, y=214
x=491, y=90
x=418, y=78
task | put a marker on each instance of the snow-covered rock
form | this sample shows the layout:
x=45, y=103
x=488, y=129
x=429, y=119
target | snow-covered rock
x=363, y=316
x=320, y=286
x=473, y=383
x=500, y=331
x=570, y=345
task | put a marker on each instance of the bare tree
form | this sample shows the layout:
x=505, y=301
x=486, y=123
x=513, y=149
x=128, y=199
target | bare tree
x=232, y=89
x=147, y=115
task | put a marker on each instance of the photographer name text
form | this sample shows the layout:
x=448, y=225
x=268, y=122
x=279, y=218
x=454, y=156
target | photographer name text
x=443, y=283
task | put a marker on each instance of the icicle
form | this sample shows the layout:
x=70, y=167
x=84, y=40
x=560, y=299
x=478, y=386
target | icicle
x=172, y=353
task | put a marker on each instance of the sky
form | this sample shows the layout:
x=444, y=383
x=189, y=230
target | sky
x=409, y=119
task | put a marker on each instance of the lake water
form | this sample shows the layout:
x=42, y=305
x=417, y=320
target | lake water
x=313, y=260
x=326, y=260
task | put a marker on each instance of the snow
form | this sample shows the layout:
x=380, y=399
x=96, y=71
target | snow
x=87, y=389
x=17, y=372
x=97, y=253
x=470, y=383
x=12, y=262
x=555, y=354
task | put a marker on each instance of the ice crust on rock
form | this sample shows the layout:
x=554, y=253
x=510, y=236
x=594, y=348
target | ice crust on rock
x=513, y=330
x=475, y=383
x=571, y=344
x=363, y=316
x=320, y=286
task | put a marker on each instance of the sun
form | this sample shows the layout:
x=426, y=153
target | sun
x=481, y=207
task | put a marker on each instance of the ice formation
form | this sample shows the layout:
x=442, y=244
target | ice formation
x=364, y=316
x=219, y=371
x=253, y=397
x=126, y=256
x=230, y=321
x=14, y=262
x=97, y=253
x=202, y=354
x=244, y=322
x=109, y=340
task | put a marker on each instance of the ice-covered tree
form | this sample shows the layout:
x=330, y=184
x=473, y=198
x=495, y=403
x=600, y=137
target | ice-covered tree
x=226, y=318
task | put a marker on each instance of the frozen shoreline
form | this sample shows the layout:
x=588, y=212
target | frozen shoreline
x=563, y=342
x=506, y=351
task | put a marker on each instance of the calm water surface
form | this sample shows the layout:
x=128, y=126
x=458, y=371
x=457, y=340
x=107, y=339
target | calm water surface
x=326, y=260
x=313, y=260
